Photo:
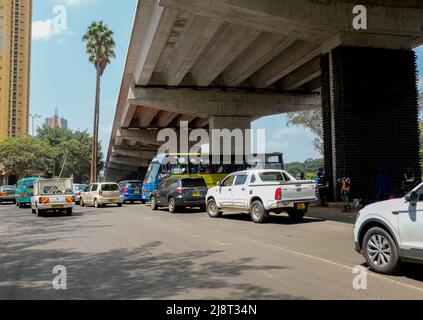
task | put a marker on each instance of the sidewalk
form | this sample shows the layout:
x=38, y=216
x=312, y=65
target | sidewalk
x=332, y=213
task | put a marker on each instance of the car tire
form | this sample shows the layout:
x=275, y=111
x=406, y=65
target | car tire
x=82, y=203
x=172, y=206
x=143, y=202
x=212, y=209
x=119, y=205
x=381, y=251
x=153, y=204
x=21, y=206
x=96, y=204
x=69, y=212
x=296, y=215
x=258, y=212
x=40, y=213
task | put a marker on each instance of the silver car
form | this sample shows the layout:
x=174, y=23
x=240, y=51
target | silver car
x=77, y=190
x=7, y=194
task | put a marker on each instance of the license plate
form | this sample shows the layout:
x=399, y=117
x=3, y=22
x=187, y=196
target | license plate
x=196, y=194
x=57, y=206
x=301, y=206
x=136, y=192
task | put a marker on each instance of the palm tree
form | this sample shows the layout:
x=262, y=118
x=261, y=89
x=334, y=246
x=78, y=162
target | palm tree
x=100, y=49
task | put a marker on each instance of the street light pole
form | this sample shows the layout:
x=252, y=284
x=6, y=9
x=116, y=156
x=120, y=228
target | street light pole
x=34, y=116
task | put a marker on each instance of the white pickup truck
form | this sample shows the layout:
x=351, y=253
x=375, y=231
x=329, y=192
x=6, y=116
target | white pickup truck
x=261, y=192
x=53, y=195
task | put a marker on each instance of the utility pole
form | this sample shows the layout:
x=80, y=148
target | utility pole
x=34, y=116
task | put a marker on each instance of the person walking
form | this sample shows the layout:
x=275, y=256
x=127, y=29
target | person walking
x=383, y=185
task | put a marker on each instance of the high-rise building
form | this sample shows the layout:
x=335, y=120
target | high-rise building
x=15, y=66
x=56, y=121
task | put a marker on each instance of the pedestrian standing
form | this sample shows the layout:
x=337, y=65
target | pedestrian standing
x=302, y=175
x=321, y=186
x=345, y=185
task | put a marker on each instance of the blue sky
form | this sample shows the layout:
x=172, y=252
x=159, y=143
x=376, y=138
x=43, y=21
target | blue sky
x=61, y=75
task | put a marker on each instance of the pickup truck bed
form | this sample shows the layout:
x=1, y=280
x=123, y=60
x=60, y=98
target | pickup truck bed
x=261, y=192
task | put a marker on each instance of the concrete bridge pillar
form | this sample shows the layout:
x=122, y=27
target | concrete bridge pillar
x=370, y=116
x=233, y=134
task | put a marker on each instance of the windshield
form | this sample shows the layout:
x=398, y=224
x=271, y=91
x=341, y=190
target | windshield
x=109, y=187
x=152, y=173
x=79, y=187
x=28, y=184
x=189, y=183
x=134, y=185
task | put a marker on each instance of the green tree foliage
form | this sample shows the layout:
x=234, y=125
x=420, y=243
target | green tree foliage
x=311, y=120
x=23, y=156
x=46, y=153
x=309, y=167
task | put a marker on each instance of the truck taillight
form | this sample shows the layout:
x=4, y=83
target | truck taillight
x=278, y=194
x=44, y=200
x=179, y=190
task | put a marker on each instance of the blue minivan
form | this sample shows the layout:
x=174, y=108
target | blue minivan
x=131, y=190
x=25, y=191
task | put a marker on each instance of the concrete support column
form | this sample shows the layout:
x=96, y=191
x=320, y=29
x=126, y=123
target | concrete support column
x=233, y=134
x=370, y=116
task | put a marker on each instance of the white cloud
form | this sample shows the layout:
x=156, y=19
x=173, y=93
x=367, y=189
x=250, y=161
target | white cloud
x=43, y=30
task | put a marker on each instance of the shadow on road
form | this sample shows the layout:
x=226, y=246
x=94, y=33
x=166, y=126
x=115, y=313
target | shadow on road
x=273, y=219
x=147, y=272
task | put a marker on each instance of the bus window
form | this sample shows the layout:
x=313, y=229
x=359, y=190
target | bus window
x=152, y=173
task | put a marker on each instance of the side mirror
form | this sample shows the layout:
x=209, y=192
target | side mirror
x=219, y=184
x=413, y=197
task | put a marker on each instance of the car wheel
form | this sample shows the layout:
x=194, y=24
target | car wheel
x=258, y=212
x=212, y=209
x=96, y=204
x=172, y=206
x=119, y=205
x=69, y=212
x=21, y=206
x=296, y=215
x=381, y=251
x=82, y=203
x=153, y=204
x=143, y=201
x=40, y=213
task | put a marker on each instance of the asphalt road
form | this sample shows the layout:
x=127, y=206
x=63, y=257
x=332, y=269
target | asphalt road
x=134, y=253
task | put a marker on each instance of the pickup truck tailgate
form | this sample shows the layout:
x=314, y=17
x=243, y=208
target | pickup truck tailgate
x=297, y=191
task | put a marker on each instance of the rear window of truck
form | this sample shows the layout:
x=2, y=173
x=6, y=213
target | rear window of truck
x=271, y=176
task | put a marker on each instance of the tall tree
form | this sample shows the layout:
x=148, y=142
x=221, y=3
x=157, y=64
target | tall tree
x=100, y=47
x=311, y=120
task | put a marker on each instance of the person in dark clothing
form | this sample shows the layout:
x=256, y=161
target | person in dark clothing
x=383, y=185
x=408, y=181
x=302, y=176
x=321, y=186
x=344, y=185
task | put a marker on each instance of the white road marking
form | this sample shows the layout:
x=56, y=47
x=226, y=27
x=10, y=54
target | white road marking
x=343, y=266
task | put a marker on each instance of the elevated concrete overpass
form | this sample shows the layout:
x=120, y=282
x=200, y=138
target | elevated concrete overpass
x=229, y=62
